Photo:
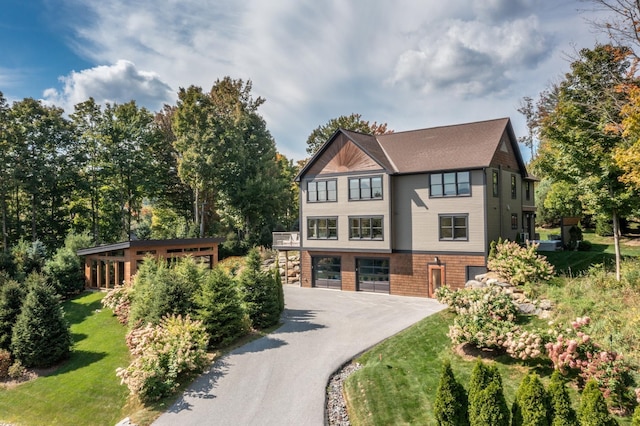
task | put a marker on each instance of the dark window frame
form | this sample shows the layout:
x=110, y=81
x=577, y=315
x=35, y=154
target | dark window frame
x=360, y=189
x=527, y=190
x=440, y=184
x=321, y=224
x=514, y=187
x=495, y=181
x=514, y=221
x=371, y=227
x=452, y=227
x=322, y=195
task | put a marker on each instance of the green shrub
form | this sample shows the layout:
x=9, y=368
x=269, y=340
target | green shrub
x=481, y=376
x=520, y=265
x=41, y=335
x=491, y=406
x=593, y=409
x=163, y=354
x=584, y=245
x=17, y=370
x=220, y=308
x=5, y=363
x=635, y=420
x=11, y=297
x=260, y=292
x=531, y=405
x=450, y=406
x=563, y=413
x=604, y=226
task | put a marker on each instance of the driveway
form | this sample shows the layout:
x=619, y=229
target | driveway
x=281, y=379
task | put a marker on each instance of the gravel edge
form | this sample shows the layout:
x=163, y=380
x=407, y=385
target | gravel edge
x=336, y=407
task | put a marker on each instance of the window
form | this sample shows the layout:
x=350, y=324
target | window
x=322, y=228
x=453, y=227
x=514, y=188
x=495, y=182
x=527, y=190
x=369, y=188
x=366, y=228
x=322, y=191
x=514, y=220
x=450, y=184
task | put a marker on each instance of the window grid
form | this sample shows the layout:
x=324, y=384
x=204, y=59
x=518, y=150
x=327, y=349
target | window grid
x=322, y=228
x=452, y=184
x=454, y=227
x=496, y=183
x=367, y=188
x=365, y=228
x=322, y=191
x=514, y=189
x=514, y=220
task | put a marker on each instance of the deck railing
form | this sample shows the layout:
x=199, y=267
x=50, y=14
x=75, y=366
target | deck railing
x=285, y=240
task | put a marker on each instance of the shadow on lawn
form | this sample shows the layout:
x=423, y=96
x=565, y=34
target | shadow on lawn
x=78, y=359
x=76, y=312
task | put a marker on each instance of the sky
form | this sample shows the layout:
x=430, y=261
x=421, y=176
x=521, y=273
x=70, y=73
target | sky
x=412, y=64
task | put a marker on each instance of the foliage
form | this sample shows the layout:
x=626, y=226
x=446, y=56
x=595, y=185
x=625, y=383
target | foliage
x=260, y=292
x=118, y=299
x=220, y=308
x=353, y=122
x=17, y=370
x=11, y=297
x=41, y=335
x=593, y=409
x=563, y=413
x=450, y=406
x=64, y=270
x=487, y=405
x=520, y=265
x=162, y=355
x=531, y=405
x=5, y=363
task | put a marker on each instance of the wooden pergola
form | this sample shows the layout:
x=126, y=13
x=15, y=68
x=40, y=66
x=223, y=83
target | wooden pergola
x=114, y=264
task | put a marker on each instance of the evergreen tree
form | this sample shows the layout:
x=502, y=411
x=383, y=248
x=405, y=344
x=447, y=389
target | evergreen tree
x=278, y=282
x=493, y=409
x=479, y=380
x=220, y=308
x=11, y=298
x=531, y=405
x=635, y=420
x=260, y=292
x=450, y=406
x=593, y=408
x=41, y=335
x=563, y=412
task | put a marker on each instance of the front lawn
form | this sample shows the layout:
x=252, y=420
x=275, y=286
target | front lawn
x=84, y=390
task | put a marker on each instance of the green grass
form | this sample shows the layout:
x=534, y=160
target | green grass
x=84, y=390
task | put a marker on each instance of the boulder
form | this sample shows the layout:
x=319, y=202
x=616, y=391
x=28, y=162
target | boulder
x=527, y=308
x=475, y=284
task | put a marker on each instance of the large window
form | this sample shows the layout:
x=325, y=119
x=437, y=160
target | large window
x=454, y=227
x=322, y=191
x=367, y=188
x=365, y=228
x=322, y=228
x=514, y=188
x=450, y=184
x=496, y=183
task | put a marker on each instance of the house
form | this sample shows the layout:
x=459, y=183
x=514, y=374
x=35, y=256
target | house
x=115, y=264
x=404, y=213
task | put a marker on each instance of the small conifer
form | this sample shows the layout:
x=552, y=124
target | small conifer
x=593, y=408
x=450, y=406
x=563, y=413
x=531, y=405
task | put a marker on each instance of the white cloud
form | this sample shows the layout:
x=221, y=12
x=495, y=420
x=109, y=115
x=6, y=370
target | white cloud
x=117, y=83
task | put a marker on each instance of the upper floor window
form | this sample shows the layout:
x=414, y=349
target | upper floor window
x=321, y=191
x=527, y=190
x=514, y=188
x=366, y=188
x=454, y=227
x=514, y=220
x=322, y=228
x=450, y=184
x=496, y=183
x=367, y=228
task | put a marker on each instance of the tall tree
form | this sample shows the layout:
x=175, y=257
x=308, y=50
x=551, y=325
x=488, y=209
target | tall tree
x=352, y=122
x=6, y=168
x=578, y=146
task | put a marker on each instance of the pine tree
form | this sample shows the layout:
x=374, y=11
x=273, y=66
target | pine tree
x=563, y=412
x=41, y=336
x=260, y=292
x=493, y=406
x=531, y=406
x=450, y=406
x=11, y=297
x=635, y=420
x=593, y=408
x=479, y=380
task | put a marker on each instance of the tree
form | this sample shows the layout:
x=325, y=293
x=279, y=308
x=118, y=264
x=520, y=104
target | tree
x=627, y=156
x=352, y=122
x=260, y=292
x=622, y=24
x=490, y=406
x=450, y=406
x=64, y=269
x=41, y=335
x=577, y=144
x=593, y=409
x=11, y=297
x=563, y=412
x=6, y=171
x=531, y=405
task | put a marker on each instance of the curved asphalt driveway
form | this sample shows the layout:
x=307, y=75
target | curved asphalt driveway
x=281, y=379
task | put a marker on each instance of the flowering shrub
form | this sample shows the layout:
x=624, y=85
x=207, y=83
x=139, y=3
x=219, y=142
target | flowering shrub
x=162, y=354
x=519, y=265
x=480, y=331
x=119, y=301
x=490, y=302
x=522, y=344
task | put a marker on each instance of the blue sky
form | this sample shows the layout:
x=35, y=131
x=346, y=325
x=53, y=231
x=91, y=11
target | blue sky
x=409, y=63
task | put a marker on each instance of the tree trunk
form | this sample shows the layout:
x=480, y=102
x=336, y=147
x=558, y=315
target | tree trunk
x=616, y=241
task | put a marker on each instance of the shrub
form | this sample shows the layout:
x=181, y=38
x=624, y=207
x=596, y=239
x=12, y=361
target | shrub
x=5, y=363
x=450, y=406
x=41, y=335
x=635, y=420
x=520, y=265
x=260, y=292
x=118, y=300
x=491, y=405
x=563, y=413
x=604, y=226
x=17, y=370
x=162, y=355
x=481, y=377
x=11, y=297
x=64, y=269
x=531, y=405
x=220, y=308
x=593, y=408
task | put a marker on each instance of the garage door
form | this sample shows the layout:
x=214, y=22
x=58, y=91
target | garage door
x=373, y=275
x=327, y=272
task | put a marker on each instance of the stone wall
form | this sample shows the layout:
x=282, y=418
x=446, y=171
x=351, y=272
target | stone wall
x=289, y=266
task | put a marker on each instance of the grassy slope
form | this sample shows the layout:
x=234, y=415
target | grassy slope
x=85, y=389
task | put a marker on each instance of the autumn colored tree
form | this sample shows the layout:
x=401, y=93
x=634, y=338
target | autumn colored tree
x=352, y=122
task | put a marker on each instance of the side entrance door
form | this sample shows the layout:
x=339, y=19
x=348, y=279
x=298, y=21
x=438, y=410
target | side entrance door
x=436, y=274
